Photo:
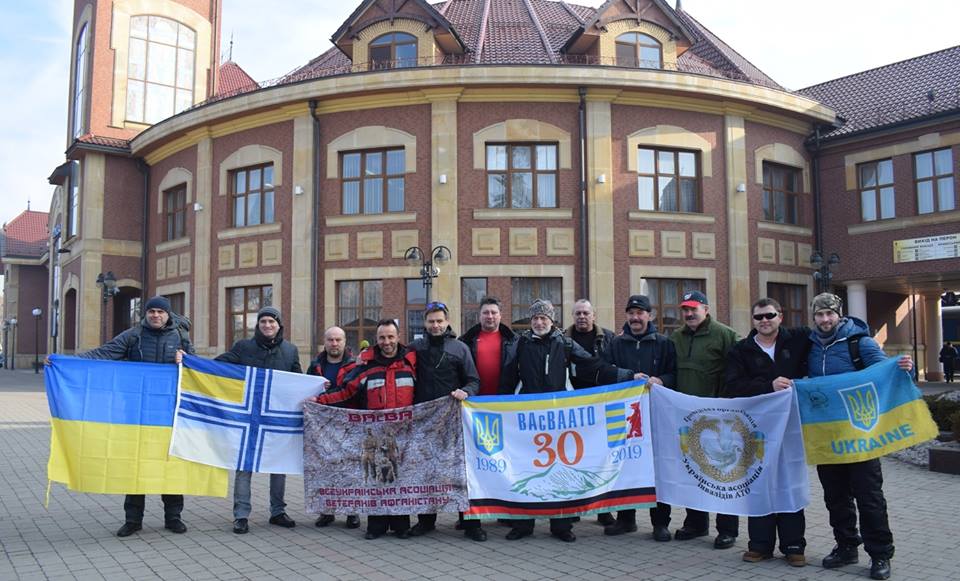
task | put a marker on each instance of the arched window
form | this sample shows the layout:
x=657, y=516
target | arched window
x=638, y=50
x=160, y=73
x=79, y=82
x=393, y=50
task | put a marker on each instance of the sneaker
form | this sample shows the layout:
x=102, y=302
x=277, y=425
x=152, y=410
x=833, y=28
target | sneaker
x=795, y=560
x=418, y=530
x=841, y=556
x=476, y=534
x=353, y=522
x=756, y=556
x=661, y=534
x=685, y=534
x=128, y=529
x=282, y=520
x=619, y=528
x=325, y=520
x=176, y=526
x=880, y=569
x=240, y=526
x=605, y=519
x=724, y=541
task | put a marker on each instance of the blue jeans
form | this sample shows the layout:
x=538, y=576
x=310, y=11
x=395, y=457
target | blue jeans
x=241, y=494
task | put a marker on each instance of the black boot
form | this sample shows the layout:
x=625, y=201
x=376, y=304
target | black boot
x=841, y=556
x=880, y=569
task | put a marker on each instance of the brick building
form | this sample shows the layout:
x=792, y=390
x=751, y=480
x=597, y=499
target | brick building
x=555, y=150
x=23, y=256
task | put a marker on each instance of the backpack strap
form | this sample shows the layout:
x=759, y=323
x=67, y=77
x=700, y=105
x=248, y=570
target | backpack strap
x=853, y=344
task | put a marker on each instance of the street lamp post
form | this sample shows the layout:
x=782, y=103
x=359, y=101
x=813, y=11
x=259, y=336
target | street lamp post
x=37, y=312
x=13, y=339
x=823, y=274
x=108, y=287
x=6, y=344
x=428, y=271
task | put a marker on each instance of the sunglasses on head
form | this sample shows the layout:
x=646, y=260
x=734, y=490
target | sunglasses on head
x=436, y=305
x=767, y=316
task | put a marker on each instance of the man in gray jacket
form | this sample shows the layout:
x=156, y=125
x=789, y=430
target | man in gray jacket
x=157, y=339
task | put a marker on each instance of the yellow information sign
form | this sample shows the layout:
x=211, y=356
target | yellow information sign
x=929, y=248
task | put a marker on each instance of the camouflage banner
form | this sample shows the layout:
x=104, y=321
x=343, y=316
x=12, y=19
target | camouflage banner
x=401, y=461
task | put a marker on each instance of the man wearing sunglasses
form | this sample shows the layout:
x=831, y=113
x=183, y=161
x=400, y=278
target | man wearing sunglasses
x=768, y=360
x=444, y=368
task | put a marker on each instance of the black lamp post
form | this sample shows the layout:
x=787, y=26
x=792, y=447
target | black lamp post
x=823, y=274
x=37, y=313
x=6, y=344
x=108, y=287
x=439, y=255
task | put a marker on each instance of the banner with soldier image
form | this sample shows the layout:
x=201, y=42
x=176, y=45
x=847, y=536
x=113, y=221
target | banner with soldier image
x=384, y=462
x=740, y=456
x=559, y=454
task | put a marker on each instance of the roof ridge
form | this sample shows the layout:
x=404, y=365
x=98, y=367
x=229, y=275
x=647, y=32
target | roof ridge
x=443, y=10
x=874, y=69
x=572, y=12
x=543, y=34
x=483, y=31
x=729, y=47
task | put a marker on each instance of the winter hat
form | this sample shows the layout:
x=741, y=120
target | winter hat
x=269, y=312
x=542, y=307
x=828, y=301
x=158, y=302
x=638, y=302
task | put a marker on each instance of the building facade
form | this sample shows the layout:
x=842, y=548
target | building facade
x=555, y=150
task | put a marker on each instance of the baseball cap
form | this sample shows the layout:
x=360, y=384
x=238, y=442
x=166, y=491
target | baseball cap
x=693, y=299
x=638, y=302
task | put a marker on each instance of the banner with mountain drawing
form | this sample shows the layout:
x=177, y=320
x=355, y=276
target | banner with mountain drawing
x=559, y=454
x=861, y=415
x=398, y=461
x=739, y=456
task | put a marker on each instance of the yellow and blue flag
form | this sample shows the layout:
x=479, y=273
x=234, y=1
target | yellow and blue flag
x=242, y=417
x=861, y=415
x=111, y=427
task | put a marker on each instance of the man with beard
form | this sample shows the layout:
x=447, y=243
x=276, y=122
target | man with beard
x=702, y=346
x=444, y=368
x=544, y=357
x=157, y=339
x=654, y=357
x=334, y=362
x=840, y=345
x=768, y=360
x=266, y=350
x=383, y=379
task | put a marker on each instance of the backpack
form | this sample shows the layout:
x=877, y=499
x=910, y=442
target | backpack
x=180, y=322
x=853, y=344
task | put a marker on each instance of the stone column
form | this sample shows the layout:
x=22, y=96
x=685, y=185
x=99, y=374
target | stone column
x=738, y=240
x=856, y=300
x=443, y=208
x=203, y=241
x=932, y=337
x=302, y=262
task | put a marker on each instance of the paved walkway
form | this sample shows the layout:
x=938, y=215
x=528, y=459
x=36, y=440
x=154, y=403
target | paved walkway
x=74, y=537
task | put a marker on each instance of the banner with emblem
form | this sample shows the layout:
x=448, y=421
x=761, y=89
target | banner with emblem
x=861, y=415
x=559, y=454
x=398, y=461
x=740, y=456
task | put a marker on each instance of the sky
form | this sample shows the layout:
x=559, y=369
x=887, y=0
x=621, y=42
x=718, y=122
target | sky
x=797, y=43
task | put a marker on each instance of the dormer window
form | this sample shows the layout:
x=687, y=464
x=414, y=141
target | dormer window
x=393, y=50
x=638, y=50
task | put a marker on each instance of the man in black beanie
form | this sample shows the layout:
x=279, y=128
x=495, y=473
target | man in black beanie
x=157, y=339
x=266, y=350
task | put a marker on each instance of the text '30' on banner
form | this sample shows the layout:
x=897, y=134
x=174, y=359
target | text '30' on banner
x=383, y=462
x=861, y=415
x=561, y=454
x=739, y=456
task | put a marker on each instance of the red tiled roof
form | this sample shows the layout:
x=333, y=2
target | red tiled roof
x=26, y=235
x=899, y=92
x=233, y=80
x=535, y=31
x=105, y=141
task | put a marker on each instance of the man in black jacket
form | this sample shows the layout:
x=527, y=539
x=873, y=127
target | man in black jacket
x=588, y=334
x=493, y=346
x=643, y=350
x=157, y=339
x=544, y=357
x=334, y=363
x=444, y=368
x=266, y=350
x=768, y=360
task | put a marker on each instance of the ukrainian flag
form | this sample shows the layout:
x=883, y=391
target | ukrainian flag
x=111, y=427
x=862, y=415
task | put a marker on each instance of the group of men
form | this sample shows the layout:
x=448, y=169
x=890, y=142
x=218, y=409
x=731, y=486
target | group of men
x=703, y=357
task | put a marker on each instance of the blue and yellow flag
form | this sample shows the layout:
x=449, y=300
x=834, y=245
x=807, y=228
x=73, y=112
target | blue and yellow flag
x=112, y=423
x=861, y=415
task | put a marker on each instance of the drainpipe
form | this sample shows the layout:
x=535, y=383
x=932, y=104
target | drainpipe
x=817, y=211
x=584, y=256
x=145, y=170
x=315, y=228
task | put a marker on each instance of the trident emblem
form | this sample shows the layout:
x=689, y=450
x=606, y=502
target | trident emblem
x=863, y=405
x=488, y=433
